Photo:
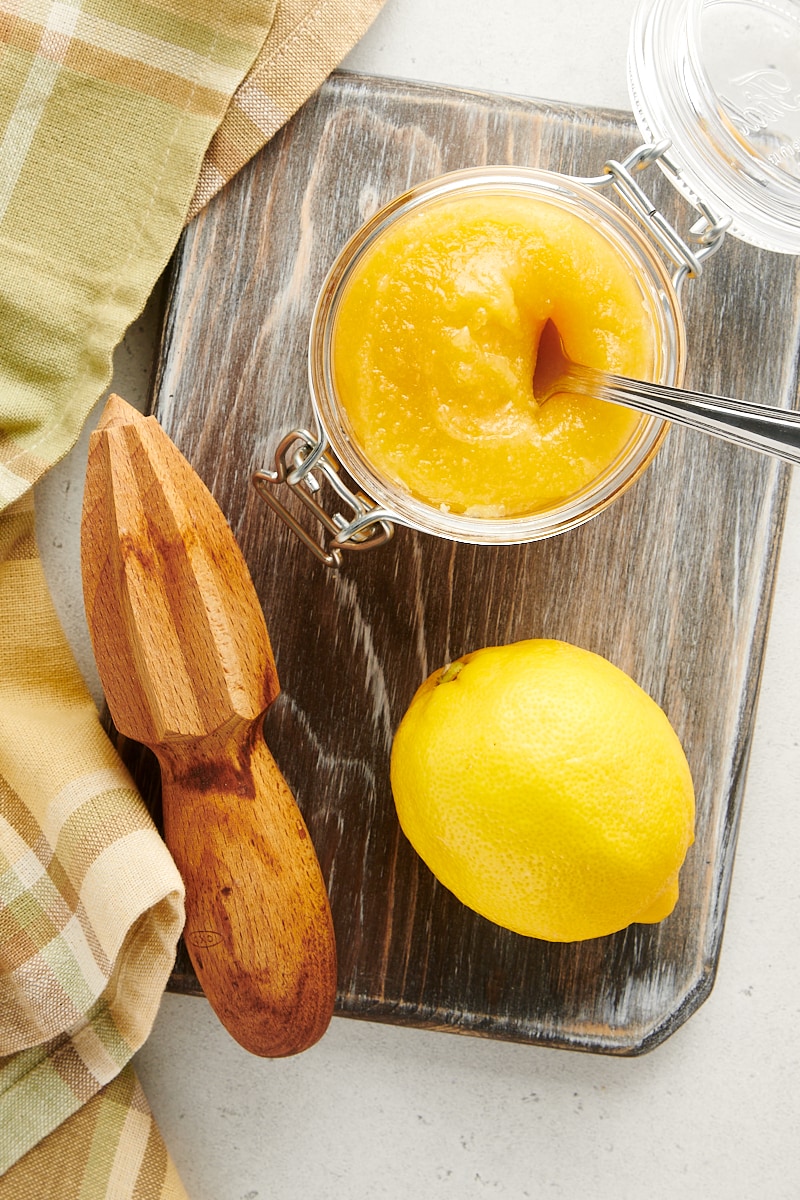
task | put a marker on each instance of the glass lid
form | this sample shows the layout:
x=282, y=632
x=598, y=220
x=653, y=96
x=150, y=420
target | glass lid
x=721, y=80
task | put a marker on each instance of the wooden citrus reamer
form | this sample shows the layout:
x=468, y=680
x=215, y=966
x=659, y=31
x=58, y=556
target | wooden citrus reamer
x=187, y=668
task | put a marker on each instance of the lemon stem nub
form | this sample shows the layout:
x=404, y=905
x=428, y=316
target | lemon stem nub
x=452, y=672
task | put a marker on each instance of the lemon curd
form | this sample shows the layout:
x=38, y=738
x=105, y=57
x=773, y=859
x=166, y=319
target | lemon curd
x=435, y=341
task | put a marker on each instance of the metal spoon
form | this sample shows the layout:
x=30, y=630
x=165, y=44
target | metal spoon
x=758, y=426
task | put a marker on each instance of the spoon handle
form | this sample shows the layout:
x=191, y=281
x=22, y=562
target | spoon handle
x=757, y=426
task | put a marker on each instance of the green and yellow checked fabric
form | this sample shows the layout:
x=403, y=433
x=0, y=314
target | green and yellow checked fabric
x=110, y=1148
x=108, y=108
x=119, y=119
x=303, y=32
x=91, y=905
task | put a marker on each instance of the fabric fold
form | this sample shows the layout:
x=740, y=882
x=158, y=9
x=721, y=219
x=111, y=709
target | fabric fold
x=307, y=40
x=109, y=1147
x=109, y=115
x=92, y=904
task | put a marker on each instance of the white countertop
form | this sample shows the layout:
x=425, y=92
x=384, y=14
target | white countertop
x=375, y=1111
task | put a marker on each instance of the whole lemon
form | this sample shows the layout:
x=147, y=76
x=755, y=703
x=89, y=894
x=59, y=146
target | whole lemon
x=545, y=789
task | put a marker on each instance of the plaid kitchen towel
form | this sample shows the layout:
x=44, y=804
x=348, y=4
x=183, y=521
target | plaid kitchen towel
x=304, y=33
x=118, y=120
x=91, y=904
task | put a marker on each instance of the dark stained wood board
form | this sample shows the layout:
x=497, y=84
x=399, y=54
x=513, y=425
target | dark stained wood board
x=672, y=583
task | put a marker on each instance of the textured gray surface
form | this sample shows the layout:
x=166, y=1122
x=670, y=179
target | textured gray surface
x=375, y=1112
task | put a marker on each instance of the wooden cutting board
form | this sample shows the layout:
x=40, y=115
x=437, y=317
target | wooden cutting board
x=672, y=583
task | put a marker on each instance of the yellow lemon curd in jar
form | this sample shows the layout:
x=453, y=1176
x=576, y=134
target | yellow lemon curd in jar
x=435, y=345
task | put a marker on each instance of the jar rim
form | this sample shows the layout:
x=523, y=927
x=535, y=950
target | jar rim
x=727, y=106
x=649, y=432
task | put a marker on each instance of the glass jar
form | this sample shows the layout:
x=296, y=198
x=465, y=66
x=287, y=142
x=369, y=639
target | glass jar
x=658, y=298
x=713, y=83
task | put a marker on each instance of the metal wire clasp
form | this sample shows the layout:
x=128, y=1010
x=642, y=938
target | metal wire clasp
x=300, y=461
x=705, y=236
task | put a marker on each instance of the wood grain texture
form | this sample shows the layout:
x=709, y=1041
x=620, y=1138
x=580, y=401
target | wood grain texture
x=187, y=667
x=672, y=583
